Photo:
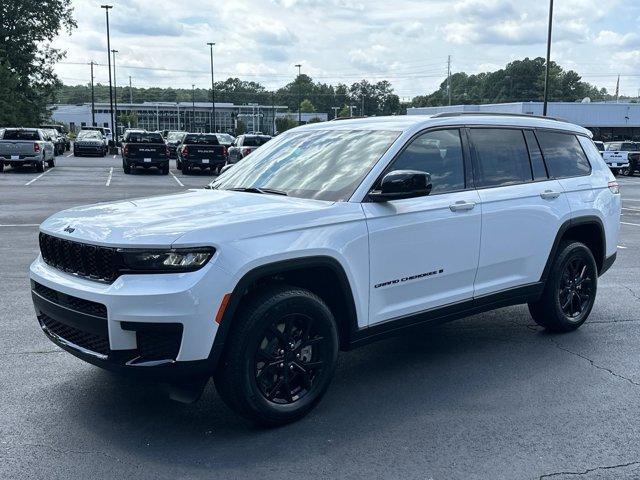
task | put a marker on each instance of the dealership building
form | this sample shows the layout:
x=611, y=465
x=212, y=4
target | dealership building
x=189, y=116
x=607, y=121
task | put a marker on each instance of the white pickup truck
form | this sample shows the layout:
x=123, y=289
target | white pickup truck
x=26, y=146
x=622, y=157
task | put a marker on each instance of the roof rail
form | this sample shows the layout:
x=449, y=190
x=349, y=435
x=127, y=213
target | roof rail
x=346, y=118
x=494, y=114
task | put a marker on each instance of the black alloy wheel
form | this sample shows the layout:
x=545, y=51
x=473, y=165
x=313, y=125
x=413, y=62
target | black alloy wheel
x=575, y=290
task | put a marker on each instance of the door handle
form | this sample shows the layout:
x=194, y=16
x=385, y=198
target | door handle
x=549, y=194
x=461, y=206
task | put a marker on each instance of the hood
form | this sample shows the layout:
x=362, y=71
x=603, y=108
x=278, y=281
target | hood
x=161, y=221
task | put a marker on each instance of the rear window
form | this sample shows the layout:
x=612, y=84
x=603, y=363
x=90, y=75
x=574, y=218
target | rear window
x=144, y=137
x=255, y=141
x=630, y=147
x=502, y=157
x=21, y=135
x=563, y=154
x=202, y=139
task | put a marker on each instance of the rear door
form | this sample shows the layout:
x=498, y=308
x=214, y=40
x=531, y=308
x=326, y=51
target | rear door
x=522, y=208
x=424, y=251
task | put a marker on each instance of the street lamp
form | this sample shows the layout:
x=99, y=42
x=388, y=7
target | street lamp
x=546, y=70
x=193, y=107
x=213, y=90
x=299, y=94
x=106, y=11
x=115, y=98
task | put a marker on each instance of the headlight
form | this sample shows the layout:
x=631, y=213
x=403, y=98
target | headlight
x=166, y=261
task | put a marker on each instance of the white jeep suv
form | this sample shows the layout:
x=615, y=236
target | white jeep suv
x=328, y=237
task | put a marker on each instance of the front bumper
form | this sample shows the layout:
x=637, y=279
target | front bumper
x=89, y=149
x=157, y=326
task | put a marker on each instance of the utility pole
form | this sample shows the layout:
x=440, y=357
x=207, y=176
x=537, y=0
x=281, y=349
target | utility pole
x=449, y=78
x=213, y=92
x=273, y=111
x=130, y=91
x=93, y=100
x=546, y=69
x=299, y=95
x=362, y=108
x=106, y=11
x=115, y=97
x=193, y=107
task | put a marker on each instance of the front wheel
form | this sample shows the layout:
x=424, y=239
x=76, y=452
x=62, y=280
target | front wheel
x=570, y=290
x=280, y=356
x=51, y=163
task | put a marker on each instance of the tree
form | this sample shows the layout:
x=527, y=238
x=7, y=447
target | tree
x=306, y=106
x=240, y=127
x=285, y=123
x=27, y=28
x=345, y=111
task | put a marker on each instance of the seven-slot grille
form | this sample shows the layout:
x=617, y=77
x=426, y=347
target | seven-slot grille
x=91, y=261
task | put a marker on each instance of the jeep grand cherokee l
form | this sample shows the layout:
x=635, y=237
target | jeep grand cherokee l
x=326, y=238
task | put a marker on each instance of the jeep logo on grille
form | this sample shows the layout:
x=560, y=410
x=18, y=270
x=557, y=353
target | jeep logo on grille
x=69, y=229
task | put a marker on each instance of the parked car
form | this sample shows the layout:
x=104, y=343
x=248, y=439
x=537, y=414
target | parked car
x=329, y=237
x=225, y=139
x=62, y=132
x=202, y=151
x=173, y=140
x=243, y=145
x=600, y=146
x=21, y=147
x=89, y=142
x=57, y=140
x=622, y=157
x=144, y=149
x=107, y=136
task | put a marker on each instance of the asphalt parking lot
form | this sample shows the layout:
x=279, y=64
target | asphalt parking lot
x=488, y=397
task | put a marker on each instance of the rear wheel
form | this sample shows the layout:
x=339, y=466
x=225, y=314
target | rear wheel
x=280, y=357
x=165, y=170
x=126, y=167
x=1, y=167
x=40, y=166
x=51, y=163
x=615, y=171
x=186, y=169
x=570, y=290
x=178, y=164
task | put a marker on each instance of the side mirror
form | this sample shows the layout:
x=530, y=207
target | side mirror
x=401, y=184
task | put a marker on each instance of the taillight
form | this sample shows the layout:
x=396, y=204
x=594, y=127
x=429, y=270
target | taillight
x=126, y=150
x=185, y=151
x=614, y=187
x=246, y=151
x=167, y=152
x=225, y=152
x=36, y=147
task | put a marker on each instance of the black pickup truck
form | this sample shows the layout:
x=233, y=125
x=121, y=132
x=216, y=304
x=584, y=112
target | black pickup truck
x=201, y=150
x=144, y=149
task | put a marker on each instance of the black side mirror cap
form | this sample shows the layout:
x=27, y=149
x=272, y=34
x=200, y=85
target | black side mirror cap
x=401, y=184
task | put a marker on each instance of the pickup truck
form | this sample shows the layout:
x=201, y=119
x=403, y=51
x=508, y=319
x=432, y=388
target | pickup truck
x=144, y=149
x=201, y=150
x=622, y=157
x=26, y=146
x=243, y=145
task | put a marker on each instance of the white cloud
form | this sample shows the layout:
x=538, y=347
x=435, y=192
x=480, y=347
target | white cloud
x=608, y=38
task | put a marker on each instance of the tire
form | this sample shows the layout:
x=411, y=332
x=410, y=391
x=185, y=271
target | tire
x=630, y=170
x=51, y=163
x=186, y=169
x=293, y=329
x=40, y=167
x=165, y=170
x=76, y=154
x=570, y=290
x=178, y=164
x=615, y=171
x=126, y=167
x=1, y=167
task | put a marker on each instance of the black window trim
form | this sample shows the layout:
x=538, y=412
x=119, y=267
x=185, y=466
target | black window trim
x=466, y=163
x=576, y=135
x=544, y=163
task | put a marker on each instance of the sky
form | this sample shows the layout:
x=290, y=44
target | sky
x=164, y=42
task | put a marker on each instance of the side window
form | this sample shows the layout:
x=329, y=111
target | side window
x=438, y=153
x=563, y=154
x=502, y=157
x=537, y=163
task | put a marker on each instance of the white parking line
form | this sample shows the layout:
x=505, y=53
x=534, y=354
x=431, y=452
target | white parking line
x=634, y=224
x=34, y=179
x=114, y=156
x=70, y=153
x=620, y=246
x=176, y=179
x=110, y=175
x=631, y=209
x=20, y=225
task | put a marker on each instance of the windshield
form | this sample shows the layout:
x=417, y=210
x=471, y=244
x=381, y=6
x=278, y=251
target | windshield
x=225, y=137
x=175, y=136
x=251, y=141
x=319, y=164
x=89, y=135
x=21, y=135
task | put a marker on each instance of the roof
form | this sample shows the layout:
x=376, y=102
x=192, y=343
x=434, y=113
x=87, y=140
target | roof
x=409, y=123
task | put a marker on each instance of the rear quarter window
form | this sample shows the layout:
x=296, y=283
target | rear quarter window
x=563, y=154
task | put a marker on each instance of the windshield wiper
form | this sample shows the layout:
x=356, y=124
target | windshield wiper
x=258, y=190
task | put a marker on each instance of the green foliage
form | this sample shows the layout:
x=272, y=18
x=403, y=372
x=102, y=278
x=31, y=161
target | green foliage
x=283, y=124
x=306, y=106
x=240, y=128
x=315, y=120
x=28, y=83
x=519, y=81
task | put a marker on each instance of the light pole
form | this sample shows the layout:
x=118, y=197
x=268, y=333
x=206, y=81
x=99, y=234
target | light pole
x=93, y=100
x=193, y=106
x=106, y=11
x=299, y=94
x=115, y=98
x=546, y=70
x=213, y=91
